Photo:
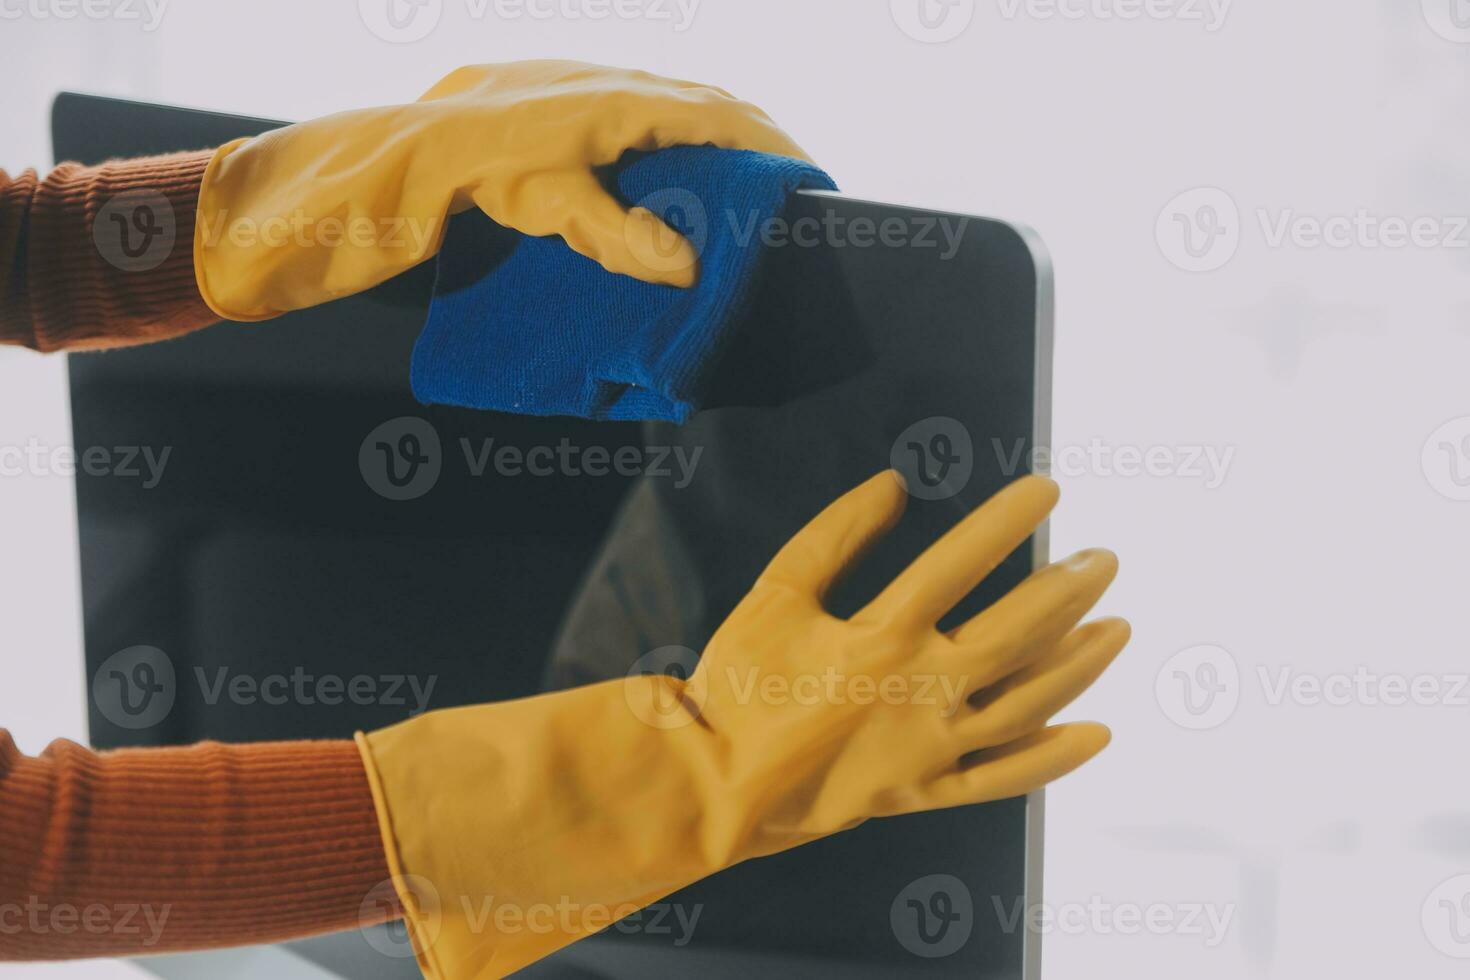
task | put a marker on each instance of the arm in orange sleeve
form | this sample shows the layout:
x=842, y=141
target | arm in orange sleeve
x=153, y=850
x=69, y=280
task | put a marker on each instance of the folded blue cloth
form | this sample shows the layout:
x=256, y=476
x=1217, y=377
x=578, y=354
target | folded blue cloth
x=526, y=325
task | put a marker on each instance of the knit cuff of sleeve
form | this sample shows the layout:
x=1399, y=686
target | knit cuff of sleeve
x=224, y=845
x=109, y=258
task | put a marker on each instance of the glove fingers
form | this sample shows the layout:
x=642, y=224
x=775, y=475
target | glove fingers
x=1032, y=618
x=1026, y=700
x=834, y=540
x=959, y=561
x=593, y=223
x=1014, y=769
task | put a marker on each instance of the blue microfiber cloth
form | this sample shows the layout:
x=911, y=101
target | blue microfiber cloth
x=526, y=325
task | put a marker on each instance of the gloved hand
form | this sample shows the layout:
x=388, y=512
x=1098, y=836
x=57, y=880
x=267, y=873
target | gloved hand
x=330, y=207
x=576, y=808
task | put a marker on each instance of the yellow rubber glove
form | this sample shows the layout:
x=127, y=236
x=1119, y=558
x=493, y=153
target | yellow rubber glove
x=514, y=829
x=331, y=207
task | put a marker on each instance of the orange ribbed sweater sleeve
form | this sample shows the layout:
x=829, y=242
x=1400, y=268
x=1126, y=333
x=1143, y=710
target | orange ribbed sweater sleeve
x=64, y=288
x=142, y=851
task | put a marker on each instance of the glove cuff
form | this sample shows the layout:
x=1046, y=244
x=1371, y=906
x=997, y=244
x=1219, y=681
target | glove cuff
x=513, y=829
x=421, y=913
x=211, y=221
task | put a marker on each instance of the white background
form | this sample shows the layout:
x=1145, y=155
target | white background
x=1330, y=544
